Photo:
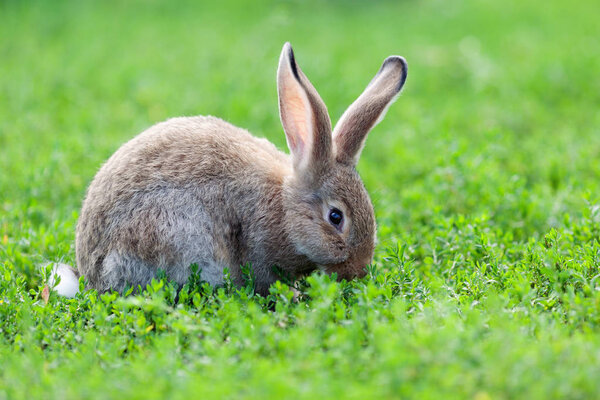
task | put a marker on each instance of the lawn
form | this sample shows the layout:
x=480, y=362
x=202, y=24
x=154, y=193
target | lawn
x=485, y=177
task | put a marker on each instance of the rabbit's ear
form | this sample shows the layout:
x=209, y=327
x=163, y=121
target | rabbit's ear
x=351, y=131
x=304, y=118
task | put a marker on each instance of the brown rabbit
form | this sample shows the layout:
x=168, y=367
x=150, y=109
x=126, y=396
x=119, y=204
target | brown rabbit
x=200, y=191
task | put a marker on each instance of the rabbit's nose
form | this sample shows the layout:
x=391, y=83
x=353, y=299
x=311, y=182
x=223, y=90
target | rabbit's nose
x=349, y=270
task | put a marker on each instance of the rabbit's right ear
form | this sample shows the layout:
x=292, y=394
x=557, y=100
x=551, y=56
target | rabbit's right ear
x=304, y=118
x=351, y=131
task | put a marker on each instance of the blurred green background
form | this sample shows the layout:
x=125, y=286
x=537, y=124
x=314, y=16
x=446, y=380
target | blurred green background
x=485, y=173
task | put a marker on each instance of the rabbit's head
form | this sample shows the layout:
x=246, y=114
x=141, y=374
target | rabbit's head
x=328, y=212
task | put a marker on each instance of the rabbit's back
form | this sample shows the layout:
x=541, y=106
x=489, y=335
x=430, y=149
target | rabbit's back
x=172, y=196
x=191, y=149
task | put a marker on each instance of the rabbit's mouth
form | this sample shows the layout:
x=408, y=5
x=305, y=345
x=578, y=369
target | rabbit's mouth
x=347, y=270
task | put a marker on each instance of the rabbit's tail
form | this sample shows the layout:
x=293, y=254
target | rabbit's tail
x=69, y=280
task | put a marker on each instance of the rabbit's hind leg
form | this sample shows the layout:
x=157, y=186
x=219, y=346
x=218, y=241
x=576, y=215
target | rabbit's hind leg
x=121, y=271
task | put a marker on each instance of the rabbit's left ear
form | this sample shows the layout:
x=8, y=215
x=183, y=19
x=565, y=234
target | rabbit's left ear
x=304, y=118
x=368, y=110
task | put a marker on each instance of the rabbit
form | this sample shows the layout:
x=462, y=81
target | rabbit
x=198, y=190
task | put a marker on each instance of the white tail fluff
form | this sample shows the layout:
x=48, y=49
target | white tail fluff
x=69, y=283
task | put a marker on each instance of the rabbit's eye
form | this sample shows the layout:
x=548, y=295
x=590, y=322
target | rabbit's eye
x=336, y=216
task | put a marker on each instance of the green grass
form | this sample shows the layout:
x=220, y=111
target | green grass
x=485, y=177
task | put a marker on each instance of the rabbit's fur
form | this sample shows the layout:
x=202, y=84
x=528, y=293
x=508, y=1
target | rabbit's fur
x=201, y=191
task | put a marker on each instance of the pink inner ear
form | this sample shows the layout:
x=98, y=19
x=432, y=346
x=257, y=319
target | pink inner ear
x=296, y=117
